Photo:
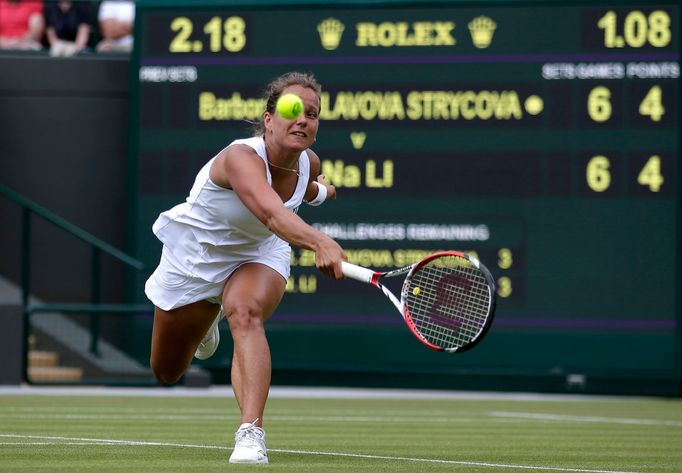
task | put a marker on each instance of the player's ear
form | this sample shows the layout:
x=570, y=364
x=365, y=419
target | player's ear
x=267, y=121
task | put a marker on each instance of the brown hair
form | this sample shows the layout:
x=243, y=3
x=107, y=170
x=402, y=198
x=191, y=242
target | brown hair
x=275, y=88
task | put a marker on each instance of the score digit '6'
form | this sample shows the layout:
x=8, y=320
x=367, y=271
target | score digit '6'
x=599, y=104
x=598, y=174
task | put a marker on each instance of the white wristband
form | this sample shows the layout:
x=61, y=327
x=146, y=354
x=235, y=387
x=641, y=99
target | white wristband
x=321, y=194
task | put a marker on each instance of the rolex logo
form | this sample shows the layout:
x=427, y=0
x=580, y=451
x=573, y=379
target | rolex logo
x=482, y=29
x=330, y=31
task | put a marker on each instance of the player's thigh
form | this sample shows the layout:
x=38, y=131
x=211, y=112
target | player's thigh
x=253, y=287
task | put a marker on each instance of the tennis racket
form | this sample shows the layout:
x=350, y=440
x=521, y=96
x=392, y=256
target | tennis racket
x=447, y=299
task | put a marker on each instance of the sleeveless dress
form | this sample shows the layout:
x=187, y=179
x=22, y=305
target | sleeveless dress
x=211, y=234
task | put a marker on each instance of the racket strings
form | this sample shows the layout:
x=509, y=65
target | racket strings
x=448, y=300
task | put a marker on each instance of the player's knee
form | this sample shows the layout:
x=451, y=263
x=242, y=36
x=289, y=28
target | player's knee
x=245, y=316
x=164, y=374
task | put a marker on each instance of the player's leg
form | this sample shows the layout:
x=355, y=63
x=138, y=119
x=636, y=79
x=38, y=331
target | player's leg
x=236, y=378
x=175, y=337
x=250, y=297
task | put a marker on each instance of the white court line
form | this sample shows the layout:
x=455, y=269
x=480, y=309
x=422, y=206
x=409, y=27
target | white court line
x=91, y=441
x=588, y=419
x=54, y=443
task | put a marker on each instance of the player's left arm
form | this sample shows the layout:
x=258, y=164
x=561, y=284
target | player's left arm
x=316, y=179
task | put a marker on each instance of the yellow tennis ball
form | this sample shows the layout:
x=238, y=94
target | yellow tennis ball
x=416, y=291
x=289, y=106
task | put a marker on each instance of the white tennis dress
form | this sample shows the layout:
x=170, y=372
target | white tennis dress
x=211, y=234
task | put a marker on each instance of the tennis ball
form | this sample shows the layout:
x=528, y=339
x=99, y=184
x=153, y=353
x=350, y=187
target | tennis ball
x=289, y=106
x=416, y=291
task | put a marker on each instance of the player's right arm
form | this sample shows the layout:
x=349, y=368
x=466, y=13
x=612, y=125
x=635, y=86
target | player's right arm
x=239, y=168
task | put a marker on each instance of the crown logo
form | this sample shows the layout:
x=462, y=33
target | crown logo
x=482, y=29
x=330, y=31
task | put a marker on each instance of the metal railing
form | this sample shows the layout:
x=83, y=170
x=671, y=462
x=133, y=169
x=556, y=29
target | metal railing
x=94, y=308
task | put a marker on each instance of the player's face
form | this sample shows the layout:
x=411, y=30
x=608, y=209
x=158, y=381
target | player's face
x=299, y=133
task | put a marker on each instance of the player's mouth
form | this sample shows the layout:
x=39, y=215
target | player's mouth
x=299, y=133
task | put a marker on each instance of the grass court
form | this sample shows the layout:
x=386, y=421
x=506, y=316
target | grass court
x=133, y=431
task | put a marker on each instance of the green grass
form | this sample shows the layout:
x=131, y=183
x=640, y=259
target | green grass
x=130, y=433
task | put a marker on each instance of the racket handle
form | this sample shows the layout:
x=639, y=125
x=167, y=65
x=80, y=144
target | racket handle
x=357, y=272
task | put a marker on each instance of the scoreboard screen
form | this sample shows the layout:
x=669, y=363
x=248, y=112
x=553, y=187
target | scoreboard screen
x=541, y=138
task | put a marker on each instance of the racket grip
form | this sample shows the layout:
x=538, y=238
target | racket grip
x=357, y=272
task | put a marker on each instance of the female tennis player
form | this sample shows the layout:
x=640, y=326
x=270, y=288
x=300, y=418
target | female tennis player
x=229, y=244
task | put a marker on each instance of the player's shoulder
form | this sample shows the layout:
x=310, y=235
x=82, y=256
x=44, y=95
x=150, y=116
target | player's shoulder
x=314, y=160
x=239, y=148
x=312, y=155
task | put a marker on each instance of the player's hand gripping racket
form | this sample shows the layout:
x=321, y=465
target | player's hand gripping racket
x=447, y=299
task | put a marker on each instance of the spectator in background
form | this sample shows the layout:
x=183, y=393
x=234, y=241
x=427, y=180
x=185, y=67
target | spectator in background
x=21, y=24
x=116, y=20
x=68, y=27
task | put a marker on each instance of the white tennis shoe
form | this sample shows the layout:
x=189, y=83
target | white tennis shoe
x=209, y=344
x=249, y=445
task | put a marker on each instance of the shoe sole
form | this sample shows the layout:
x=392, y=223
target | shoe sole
x=249, y=462
x=206, y=356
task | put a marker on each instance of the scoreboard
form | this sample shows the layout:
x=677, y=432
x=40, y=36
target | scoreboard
x=541, y=137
